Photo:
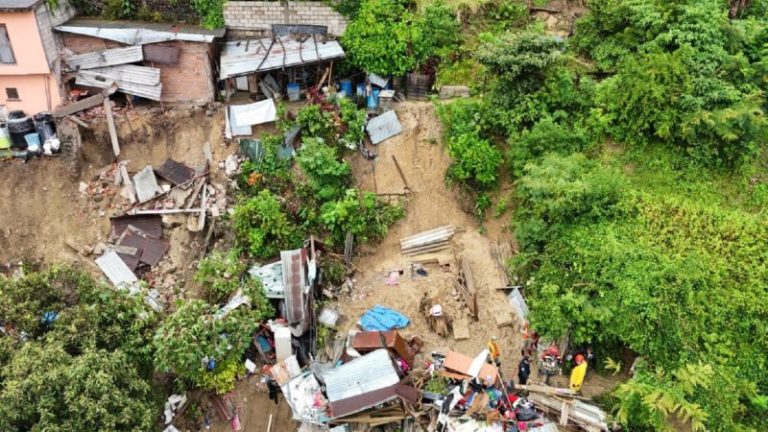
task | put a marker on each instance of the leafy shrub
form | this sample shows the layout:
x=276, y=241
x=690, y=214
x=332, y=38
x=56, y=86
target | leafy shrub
x=362, y=214
x=87, y=369
x=388, y=39
x=559, y=191
x=223, y=274
x=328, y=176
x=476, y=160
x=193, y=334
x=521, y=60
x=546, y=136
x=211, y=12
x=262, y=228
x=270, y=172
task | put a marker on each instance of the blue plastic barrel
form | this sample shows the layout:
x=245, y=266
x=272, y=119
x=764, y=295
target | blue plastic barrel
x=294, y=92
x=346, y=87
x=372, y=102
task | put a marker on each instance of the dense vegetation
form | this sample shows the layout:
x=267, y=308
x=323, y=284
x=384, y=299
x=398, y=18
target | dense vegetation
x=284, y=204
x=76, y=355
x=635, y=147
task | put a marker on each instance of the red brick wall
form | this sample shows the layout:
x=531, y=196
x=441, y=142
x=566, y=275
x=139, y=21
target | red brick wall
x=191, y=80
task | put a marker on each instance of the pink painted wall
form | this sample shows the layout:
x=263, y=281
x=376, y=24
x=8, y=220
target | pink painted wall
x=26, y=43
x=30, y=75
x=32, y=95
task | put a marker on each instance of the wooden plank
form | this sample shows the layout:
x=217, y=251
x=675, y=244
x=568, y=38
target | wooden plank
x=78, y=106
x=203, y=209
x=558, y=391
x=78, y=122
x=564, y=408
x=111, y=126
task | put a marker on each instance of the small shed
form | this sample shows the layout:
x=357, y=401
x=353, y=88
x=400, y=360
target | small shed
x=297, y=55
x=167, y=62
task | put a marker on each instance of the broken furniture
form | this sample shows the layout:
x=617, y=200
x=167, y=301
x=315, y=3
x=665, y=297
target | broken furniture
x=465, y=285
x=392, y=341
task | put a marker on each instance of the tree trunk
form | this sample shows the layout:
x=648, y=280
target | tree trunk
x=738, y=7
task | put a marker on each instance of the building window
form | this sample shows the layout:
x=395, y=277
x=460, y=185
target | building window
x=11, y=93
x=6, y=53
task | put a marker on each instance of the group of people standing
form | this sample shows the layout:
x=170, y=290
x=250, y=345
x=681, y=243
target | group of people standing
x=550, y=361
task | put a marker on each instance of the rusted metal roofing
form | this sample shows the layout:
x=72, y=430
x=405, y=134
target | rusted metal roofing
x=162, y=53
x=294, y=283
x=150, y=224
x=175, y=172
x=136, y=80
x=371, y=372
x=100, y=59
x=349, y=406
x=134, y=33
x=152, y=250
x=383, y=127
x=255, y=56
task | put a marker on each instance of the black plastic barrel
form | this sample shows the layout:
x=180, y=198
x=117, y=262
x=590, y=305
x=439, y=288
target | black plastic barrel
x=16, y=114
x=45, y=125
x=18, y=127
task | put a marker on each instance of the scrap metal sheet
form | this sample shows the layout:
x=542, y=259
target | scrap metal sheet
x=175, y=172
x=384, y=127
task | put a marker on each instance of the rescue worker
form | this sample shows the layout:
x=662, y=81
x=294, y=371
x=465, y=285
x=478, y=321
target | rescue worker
x=524, y=370
x=493, y=351
x=578, y=373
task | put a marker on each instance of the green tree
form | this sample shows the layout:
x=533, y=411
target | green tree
x=206, y=349
x=262, y=228
x=327, y=175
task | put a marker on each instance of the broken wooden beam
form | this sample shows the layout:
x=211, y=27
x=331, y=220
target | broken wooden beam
x=111, y=127
x=78, y=122
x=406, y=188
x=75, y=107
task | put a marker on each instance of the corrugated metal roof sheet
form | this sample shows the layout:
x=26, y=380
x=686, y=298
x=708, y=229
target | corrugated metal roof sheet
x=150, y=224
x=345, y=407
x=152, y=250
x=384, y=127
x=175, y=172
x=136, y=80
x=117, y=272
x=362, y=375
x=162, y=53
x=245, y=57
x=132, y=33
x=146, y=184
x=110, y=57
x=293, y=283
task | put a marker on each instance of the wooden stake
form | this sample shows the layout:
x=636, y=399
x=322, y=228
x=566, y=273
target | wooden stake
x=111, y=126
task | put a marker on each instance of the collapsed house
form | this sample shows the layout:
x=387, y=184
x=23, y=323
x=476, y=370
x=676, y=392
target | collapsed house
x=162, y=62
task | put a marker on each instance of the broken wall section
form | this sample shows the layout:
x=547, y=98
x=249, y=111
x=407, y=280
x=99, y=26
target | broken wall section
x=189, y=80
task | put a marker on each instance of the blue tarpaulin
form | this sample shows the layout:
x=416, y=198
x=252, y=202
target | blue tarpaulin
x=382, y=318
